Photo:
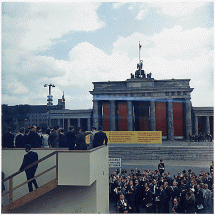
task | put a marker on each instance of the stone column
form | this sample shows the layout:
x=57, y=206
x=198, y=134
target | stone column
x=152, y=116
x=79, y=122
x=170, y=129
x=188, y=121
x=95, y=114
x=112, y=116
x=129, y=116
x=89, y=124
x=196, y=125
x=100, y=117
x=207, y=125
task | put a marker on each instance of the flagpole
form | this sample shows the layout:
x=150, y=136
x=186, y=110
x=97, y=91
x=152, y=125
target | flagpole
x=63, y=110
x=139, y=52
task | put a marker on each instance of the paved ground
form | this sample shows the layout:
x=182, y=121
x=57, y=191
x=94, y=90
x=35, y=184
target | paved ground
x=172, y=166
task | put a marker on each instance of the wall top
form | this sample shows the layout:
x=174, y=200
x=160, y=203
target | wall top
x=138, y=84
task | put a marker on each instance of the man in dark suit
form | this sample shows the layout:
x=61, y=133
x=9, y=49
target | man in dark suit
x=162, y=199
x=30, y=158
x=122, y=205
x=131, y=193
x=20, y=139
x=176, y=206
x=33, y=138
x=168, y=196
x=138, y=196
x=155, y=193
x=148, y=200
x=199, y=200
x=8, y=139
x=175, y=191
x=71, y=138
x=62, y=139
x=81, y=139
x=182, y=194
x=161, y=167
x=99, y=138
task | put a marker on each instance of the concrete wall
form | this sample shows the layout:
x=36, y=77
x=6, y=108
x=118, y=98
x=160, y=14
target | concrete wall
x=74, y=169
x=99, y=171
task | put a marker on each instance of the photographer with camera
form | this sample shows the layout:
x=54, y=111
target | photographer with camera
x=122, y=205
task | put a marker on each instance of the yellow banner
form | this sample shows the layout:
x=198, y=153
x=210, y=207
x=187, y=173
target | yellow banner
x=132, y=137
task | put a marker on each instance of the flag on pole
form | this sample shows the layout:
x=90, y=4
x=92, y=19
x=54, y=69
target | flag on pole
x=139, y=46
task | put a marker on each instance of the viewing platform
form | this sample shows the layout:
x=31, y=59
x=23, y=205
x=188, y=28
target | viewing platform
x=69, y=182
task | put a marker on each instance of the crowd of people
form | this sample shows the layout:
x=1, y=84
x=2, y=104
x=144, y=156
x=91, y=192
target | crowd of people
x=158, y=192
x=201, y=137
x=75, y=139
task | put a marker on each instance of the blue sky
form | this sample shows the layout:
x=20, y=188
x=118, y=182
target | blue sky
x=72, y=45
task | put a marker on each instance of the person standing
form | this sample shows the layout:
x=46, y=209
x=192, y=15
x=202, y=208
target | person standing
x=131, y=193
x=189, y=204
x=71, y=138
x=199, y=200
x=122, y=205
x=183, y=198
x=54, y=138
x=138, y=196
x=99, y=138
x=20, y=139
x=148, y=200
x=40, y=134
x=30, y=158
x=161, y=167
x=45, y=140
x=80, y=139
x=62, y=139
x=8, y=139
x=168, y=196
x=175, y=191
x=33, y=138
x=90, y=146
x=207, y=200
x=212, y=167
x=177, y=208
x=162, y=199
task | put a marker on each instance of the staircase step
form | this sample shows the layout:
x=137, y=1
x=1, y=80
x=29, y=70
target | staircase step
x=165, y=152
x=30, y=196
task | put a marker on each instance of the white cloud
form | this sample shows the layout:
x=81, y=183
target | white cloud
x=118, y=4
x=177, y=9
x=141, y=14
x=174, y=9
x=37, y=25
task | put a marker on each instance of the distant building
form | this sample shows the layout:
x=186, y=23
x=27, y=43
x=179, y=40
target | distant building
x=39, y=113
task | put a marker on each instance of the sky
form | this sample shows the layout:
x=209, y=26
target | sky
x=73, y=44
